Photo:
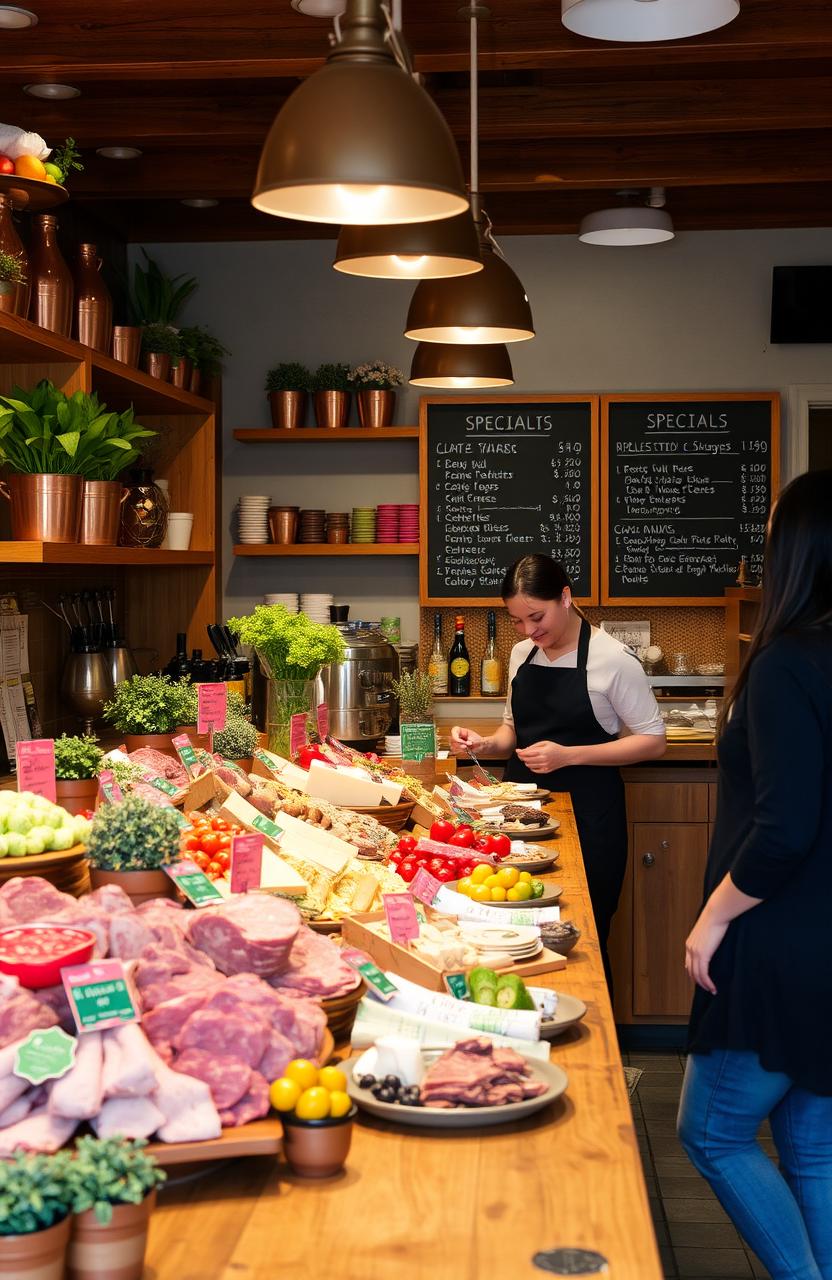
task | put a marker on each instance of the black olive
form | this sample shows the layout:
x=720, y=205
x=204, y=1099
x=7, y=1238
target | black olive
x=378, y=1090
x=393, y=1082
x=386, y=1095
x=410, y=1097
x=367, y=1082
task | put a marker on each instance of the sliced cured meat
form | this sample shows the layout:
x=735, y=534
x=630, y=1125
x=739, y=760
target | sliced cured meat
x=252, y=1106
x=228, y=1078
x=32, y=898
x=20, y=1012
x=127, y=1118
x=476, y=1074
x=186, y=1104
x=252, y=933
x=163, y=1024
x=237, y=1035
x=316, y=968
x=163, y=766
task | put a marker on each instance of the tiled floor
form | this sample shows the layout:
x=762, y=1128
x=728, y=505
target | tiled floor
x=696, y=1238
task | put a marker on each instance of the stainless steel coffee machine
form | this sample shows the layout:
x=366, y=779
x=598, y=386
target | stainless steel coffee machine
x=358, y=691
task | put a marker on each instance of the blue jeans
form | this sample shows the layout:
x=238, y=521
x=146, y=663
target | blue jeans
x=785, y=1216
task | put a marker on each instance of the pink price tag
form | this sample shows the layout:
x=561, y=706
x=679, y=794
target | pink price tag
x=424, y=886
x=401, y=917
x=297, y=733
x=99, y=995
x=213, y=708
x=322, y=714
x=246, y=861
x=36, y=767
x=109, y=788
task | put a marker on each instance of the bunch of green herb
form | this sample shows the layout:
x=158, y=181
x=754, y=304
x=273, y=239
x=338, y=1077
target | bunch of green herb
x=203, y=349
x=238, y=739
x=109, y=1171
x=125, y=772
x=35, y=1192
x=66, y=158
x=11, y=268
x=45, y=431
x=376, y=376
x=331, y=377
x=289, y=645
x=156, y=298
x=77, y=758
x=162, y=338
x=133, y=835
x=149, y=704
x=288, y=377
x=414, y=691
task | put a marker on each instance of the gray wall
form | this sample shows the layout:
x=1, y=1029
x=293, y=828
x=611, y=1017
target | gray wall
x=692, y=314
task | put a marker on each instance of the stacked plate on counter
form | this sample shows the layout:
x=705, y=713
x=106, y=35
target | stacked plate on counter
x=393, y=744
x=253, y=518
x=287, y=598
x=363, y=524
x=409, y=522
x=316, y=606
x=519, y=941
x=312, y=525
x=387, y=522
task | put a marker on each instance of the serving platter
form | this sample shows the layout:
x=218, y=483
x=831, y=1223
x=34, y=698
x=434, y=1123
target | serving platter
x=553, y=1076
x=551, y=894
x=569, y=1012
x=535, y=860
x=518, y=797
x=32, y=194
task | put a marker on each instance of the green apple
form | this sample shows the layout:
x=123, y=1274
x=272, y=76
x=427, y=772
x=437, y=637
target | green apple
x=41, y=835
x=63, y=838
x=4, y=848
x=20, y=820
x=54, y=170
x=16, y=845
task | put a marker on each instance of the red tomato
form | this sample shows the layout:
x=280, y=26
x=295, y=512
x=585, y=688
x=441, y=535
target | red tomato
x=193, y=842
x=407, y=844
x=464, y=838
x=211, y=842
x=481, y=844
x=442, y=831
x=395, y=858
x=214, y=870
x=499, y=844
x=224, y=859
x=437, y=864
x=407, y=870
x=219, y=824
x=445, y=874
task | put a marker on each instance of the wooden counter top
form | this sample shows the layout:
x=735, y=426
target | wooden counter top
x=423, y=1205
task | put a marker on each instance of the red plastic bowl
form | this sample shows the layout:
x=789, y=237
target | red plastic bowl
x=36, y=953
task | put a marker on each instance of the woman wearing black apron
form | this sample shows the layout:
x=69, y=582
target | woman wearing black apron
x=571, y=688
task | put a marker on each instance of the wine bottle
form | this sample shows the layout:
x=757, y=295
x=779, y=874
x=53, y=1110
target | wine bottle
x=179, y=668
x=491, y=671
x=459, y=663
x=438, y=663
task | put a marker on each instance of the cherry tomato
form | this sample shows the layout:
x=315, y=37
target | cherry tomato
x=224, y=859
x=437, y=864
x=442, y=830
x=481, y=844
x=214, y=870
x=193, y=842
x=499, y=844
x=463, y=837
x=407, y=844
x=408, y=870
x=211, y=842
x=445, y=874
x=219, y=824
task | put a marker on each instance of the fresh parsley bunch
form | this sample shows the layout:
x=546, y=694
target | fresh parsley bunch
x=289, y=645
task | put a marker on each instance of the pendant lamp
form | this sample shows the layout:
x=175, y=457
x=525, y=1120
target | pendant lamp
x=631, y=20
x=413, y=251
x=627, y=225
x=450, y=366
x=360, y=142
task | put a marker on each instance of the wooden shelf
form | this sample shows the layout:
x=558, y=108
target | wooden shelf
x=71, y=553
x=272, y=435
x=327, y=549
x=116, y=381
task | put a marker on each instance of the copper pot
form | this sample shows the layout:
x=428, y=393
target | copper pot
x=288, y=409
x=196, y=381
x=332, y=408
x=51, y=278
x=15, y=300
x=44, y=508
x=157, y=364
x=180, y=373
x=375, y=408
x=100, y=512
x=93, y=304
x=127, y=344
x=283, y=524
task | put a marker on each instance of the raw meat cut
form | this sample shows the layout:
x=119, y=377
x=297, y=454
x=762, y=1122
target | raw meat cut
x=163, y=1024
x=279, y=1053
x=163, y=766
x=20, y=1012
x=126, y=1118
x=128, y=1062
x=166, y=920
x=39, y=1131
x=129, y=936
x=238, y=1035
x=111, y=899
x=11, y=1086
x=316, y=968
x=186, y=1104
x=81, y=916
x=78, y=1095
x=32, y=898
x=253, y=1106
x=228, y=1078
x=183, y=984
x=18, y=1109
x=476, y=1074
x=300, y=1020
x=252, y=933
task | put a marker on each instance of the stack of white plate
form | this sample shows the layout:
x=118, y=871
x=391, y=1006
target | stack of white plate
x=393, y=744
x=287, y=598
x=253, y=519
x=519, y=941
x=316, y=606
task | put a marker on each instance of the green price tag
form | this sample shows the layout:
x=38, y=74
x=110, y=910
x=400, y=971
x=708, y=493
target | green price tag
x=197, y=888
x=373, y=975
x=98, y=995
x=264, y=760
x=266, y=827
x=457, y=984
x=162, y=784
x=418, y=741
x=45, y=1055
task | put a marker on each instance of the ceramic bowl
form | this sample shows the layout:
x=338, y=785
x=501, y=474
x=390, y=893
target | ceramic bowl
x=317, y=1148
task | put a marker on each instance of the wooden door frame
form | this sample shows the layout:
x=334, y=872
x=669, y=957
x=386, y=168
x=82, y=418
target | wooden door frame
x=800, y=398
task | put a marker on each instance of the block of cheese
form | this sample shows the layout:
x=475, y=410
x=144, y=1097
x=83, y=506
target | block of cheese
x=313, y=844
x=342, y=788
x=275, y=872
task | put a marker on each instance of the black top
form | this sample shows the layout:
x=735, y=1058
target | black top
x=773, y=832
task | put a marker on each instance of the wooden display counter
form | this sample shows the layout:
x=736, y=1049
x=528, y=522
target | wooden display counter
x=426, y=1205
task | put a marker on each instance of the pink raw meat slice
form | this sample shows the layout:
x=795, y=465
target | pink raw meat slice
x=252, y=933
x=81, y=916
x=253, y=1106
x=185, y=1102
x=163, y=1024
x=127, y=1118
x=129, y=936
x=55, y=999
x=32, y=898
x=111, y=899
x=316, y=968
x=301, y=1021
x=166, y=920
x=476, y=1074
x=238, y=1035
x=227, y=1077
x=184, y=984
x=39, y=1131
x=279, y=1053
x=163, y=766
x=20, y=1012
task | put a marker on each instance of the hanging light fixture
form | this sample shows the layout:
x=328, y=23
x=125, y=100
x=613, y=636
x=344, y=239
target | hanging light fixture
x=360, y=142
x=450, y=366
x=628, y=225
x=625, y=20
x=320, y=8
x=490, y=306
x=411, y=251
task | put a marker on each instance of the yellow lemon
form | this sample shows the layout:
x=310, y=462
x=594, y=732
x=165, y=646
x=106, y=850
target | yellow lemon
x=491, y=881
x=508, y=877
x=313, y=1104
x=480, y=893
x=29, y=167
x=481, y=872
x=284, y=1093
x=339, y=1103
x=303, y=1072
x=332, y=1078
x=498, y=893
x=523, y=890
x=464, y=885
x=512, y=895
x=525, y=876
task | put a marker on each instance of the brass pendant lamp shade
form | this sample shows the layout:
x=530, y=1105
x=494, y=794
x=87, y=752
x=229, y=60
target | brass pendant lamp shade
x=359, y=142
x=454, y=366
x=413, y=251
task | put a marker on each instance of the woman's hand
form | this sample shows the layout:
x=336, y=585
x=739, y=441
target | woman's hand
x=701, y=944
x=463, y=740
x=545, y=757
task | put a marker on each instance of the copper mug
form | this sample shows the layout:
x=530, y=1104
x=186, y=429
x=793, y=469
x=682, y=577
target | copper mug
x=283, y=524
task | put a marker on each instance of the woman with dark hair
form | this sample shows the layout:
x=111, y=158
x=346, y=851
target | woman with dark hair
x=760, y=1040
x=571, y=688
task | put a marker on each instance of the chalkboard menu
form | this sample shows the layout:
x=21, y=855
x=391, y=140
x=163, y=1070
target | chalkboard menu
x=504, y=478
x=686, y=486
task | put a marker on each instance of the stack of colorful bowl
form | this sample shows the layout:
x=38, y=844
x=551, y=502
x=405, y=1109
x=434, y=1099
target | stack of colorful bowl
x=338, y=526
x=363, y=524
x=311, y=527
x=409, y=522
x=387, y=522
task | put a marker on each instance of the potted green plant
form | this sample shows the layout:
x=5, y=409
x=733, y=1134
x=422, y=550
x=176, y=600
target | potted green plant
x=286, y=387
x=54, y=447
x=113, y=1182
x=35, y=1203
x=205, y=352
x=238, y=741
x=148, y=710
x=161, y=349
x=375, y=386
x=331, y=386
x=154, y=301
x=414, y=691
x=78, y=761
x=12, y=275
x=129, y=844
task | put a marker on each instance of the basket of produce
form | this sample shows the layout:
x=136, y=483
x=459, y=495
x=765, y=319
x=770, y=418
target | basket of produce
x=392, y=816
x=38, y=838
x=341, y=1010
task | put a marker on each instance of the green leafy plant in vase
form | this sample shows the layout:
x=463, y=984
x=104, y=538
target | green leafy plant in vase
x=286, y=387
x=129, y=844
x=78, y=761
x=35, y=1208
x=12, y=272
x=113, y=1182
x=161, y=349
x=332, y=386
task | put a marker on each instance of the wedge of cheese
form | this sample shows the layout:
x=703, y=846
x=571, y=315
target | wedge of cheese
x=344, y=787
x=313, y=844
x=275, y=872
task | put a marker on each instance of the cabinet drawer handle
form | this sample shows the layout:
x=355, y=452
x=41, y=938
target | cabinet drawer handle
x=648, y=860
x=664, y=844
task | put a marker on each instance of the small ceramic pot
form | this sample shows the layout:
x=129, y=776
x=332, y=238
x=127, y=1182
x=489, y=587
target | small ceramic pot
x=38, y=1255
x=317, y=1148
x=140, y=886
x=116, y=1250
x=77, y=794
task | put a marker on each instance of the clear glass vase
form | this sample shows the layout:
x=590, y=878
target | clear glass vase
x=287, y=698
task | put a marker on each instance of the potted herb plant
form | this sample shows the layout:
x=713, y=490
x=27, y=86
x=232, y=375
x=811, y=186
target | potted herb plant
x=375, y=385
x=35, y=1203
x=148, y=710
x=54, y=447
x=78, y=760
x=161, y=349
x=129, y=844
x=414, y=691
x=205, y=352
x=238, y=741
x=12, y=275
x=113, y=1183
x=331, y=386
x=286, y=387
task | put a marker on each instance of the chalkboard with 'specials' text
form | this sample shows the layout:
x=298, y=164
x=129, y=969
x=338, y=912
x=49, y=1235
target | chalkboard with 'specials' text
x=687, y=482
x=500, y=479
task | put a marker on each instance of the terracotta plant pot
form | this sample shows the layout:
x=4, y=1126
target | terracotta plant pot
x=196, y=381
x=38, y=1255
x=140, y=886
x=288, y=409
x=317, y=1148
x=77, y=794
x=375, y=408
x=332, y=409
x=157, y=364
x=112, y=1252
x=158, y=741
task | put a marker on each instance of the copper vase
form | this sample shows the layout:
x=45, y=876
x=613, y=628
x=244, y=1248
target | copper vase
x=93, y=304
x=375, y=408
x=157, y=364
x=44, y=508
x=100, y=512
x=180, y=373
x=14, y=300
x=283, y=524
x=195, y=385
x=127, y=344
x=288, y=409
x=332, y=408
x=50, y=277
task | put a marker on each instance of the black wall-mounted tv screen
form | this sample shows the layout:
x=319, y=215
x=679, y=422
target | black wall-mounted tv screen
x=801, y=304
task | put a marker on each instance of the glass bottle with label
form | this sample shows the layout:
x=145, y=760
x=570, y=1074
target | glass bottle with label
x=491, y=670
x=459, y=679
x=438, y=663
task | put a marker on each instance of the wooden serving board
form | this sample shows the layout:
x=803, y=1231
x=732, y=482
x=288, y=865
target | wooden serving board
x=66, y=869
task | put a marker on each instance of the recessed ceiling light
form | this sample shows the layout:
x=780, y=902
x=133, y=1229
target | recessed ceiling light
x=200, y=202
x=118, y=153
x=14, y=19
x=320, y=8
x=51, y=91
x=626, y=226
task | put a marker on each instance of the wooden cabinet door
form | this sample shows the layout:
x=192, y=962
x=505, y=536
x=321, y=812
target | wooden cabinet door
x=668, y=870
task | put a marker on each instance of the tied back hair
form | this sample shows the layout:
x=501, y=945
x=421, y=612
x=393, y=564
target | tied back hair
x=537, y=576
